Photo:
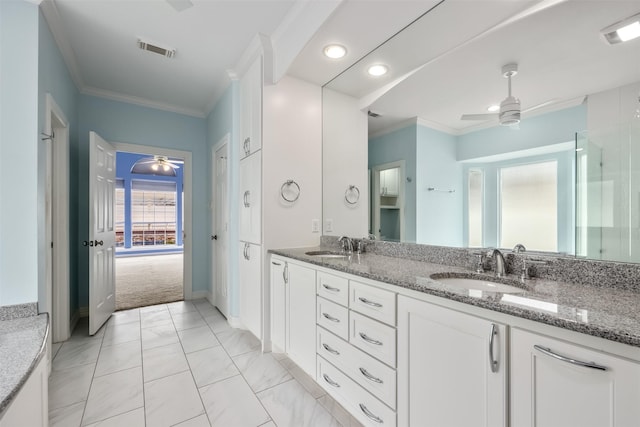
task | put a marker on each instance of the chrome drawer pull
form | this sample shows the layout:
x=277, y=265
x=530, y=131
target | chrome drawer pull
x=370, y=377
x=330, y=381
x=329, y=288
x=331, y=318
x=369, y=340
x=493, y=363
x=371, y=303
x=548, y=352
x=369, y=414
x=330, y=350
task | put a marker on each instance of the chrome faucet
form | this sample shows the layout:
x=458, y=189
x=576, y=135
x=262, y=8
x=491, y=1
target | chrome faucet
x=500, y=265
x=346, y=243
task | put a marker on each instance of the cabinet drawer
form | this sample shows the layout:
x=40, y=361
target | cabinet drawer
x=333, y=288
x=374, y=338
x=362, y=405
x=333, y=317
x=373, y=302
x=373, y=375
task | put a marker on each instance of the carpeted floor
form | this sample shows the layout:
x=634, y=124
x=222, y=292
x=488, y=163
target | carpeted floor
x=148, y=280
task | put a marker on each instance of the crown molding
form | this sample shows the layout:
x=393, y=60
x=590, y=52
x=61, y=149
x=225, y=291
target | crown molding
x=394, y=127
x=142, y=102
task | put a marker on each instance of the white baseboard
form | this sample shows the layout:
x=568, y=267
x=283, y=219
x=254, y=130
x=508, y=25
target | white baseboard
x=199, y=295
x=235, y=322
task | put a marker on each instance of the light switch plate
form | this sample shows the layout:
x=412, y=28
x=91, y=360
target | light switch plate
x=328, y=226
x=315, y=225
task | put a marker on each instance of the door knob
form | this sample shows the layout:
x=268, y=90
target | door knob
x=98, y=243
x=215, y=237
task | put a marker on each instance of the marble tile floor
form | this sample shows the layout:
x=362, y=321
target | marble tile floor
x=181, y=364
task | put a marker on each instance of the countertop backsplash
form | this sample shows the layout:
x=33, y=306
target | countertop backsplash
x=560, y=268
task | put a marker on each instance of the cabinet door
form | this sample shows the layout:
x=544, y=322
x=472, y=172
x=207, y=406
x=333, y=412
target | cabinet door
x=301, y=326
x=251, y=109
x=550, y=388
x=278, y=303
x=30, y=406
x=251, y=199
x=446, y=370
x=250, y=289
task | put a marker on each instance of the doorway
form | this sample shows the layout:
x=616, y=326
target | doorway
x=152, y=223
x=220, y=225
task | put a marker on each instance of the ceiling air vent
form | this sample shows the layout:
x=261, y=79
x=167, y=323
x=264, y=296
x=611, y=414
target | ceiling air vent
x=169, y=53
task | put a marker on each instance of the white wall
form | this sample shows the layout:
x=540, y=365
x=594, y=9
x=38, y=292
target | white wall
x=18, y=152
x=345, y=145
x=292, y=149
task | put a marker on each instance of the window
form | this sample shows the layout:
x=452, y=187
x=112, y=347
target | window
x=153, y=213
x=474, y=202
x=528, y=209
x=120, y=222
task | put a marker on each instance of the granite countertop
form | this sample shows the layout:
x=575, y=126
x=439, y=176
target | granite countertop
x=612, y=313
x=22, y=344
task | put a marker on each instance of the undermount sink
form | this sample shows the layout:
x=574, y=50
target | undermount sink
x=326, y=254
x=480, y=284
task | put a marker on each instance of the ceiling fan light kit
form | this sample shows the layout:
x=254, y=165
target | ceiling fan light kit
x=156, y=165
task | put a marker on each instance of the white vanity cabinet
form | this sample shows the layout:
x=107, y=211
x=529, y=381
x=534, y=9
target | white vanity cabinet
x=251, y=107
x=452, y=368
x=293, y=312
x=250, y=287
x=560, y=384
x=30, y=407
x=389, y=186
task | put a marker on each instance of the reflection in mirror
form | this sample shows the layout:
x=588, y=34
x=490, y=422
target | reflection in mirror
x=564, y=180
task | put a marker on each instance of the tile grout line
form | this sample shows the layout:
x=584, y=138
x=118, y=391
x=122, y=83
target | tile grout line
x=86, y=402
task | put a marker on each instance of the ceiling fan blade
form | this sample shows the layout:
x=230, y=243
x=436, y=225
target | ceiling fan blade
x=544, y=104
x=180, y=5
x=478, y=116
x=176, y=162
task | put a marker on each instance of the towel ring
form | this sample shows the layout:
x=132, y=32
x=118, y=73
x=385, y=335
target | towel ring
x=352, y=194
x=287, y=184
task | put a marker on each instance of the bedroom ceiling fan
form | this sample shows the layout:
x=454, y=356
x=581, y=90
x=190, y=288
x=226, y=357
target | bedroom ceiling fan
x=157, y=165
x=510, y=111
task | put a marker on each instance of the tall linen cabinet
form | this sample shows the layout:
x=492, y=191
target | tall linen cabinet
x=280, y=182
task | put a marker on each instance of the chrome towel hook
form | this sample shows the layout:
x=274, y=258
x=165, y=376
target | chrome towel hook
x=352, y=194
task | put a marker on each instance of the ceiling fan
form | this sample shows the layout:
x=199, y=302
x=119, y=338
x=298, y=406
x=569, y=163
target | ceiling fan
x=510, y=111
x=161, y=163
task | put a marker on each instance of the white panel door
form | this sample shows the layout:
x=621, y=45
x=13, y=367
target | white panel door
x=250, y=288
x=301, y=319
x=102, y=235
x=446, y=371
x=552, y=387
x=220, y=236
x=251, y=199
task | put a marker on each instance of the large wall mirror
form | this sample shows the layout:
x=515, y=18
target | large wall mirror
x=437, y=164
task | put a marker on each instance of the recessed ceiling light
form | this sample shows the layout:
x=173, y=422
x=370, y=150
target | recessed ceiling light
x=335, y=51
x=377, y=70
x=493, y=108
x=623, y=31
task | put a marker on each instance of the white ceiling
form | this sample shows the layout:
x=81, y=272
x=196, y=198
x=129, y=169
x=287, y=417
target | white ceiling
x=561, y=55
x=98, y=39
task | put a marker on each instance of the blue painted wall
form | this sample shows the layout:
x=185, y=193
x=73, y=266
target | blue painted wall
x=19, y=150
x=127, y=123
x=224, y=119
x=124, y=163
x=439, y=213
x=54, y=78
x=400, y=145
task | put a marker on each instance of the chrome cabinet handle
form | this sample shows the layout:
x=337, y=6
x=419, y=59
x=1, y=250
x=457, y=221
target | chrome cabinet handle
x=330, y=288
x=371, y=303
x=330, y=350
x=331, y=318
x=285, y=273
x=247, y=146
x=591, y=365
x=369, y=414
x=369, y=340
x=330, y=381
x=275, y=263
x=246, y=199
x=370, y=377
x=247, y=254
x=492, y=362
